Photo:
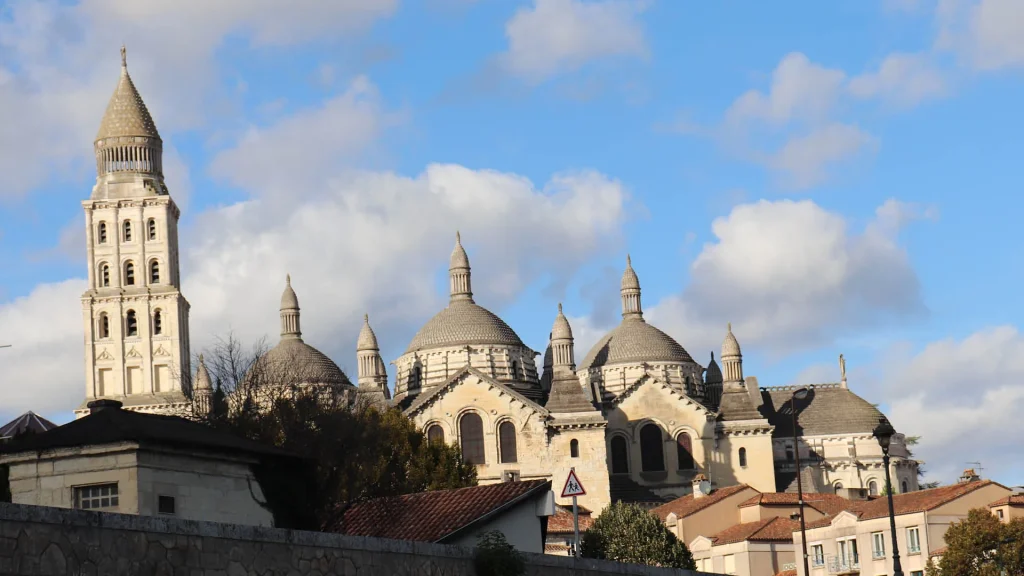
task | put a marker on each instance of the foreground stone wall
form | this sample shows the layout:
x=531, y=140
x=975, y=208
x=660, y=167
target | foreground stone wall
x=41, y=540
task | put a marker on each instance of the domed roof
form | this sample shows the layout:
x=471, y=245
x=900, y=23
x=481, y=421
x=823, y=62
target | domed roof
x=731, y=346
x=634, y=340
x=561, y=330
x=126, y=113
x=293, y=361
x=367, y=339
x=713, y=374
x=464, y=322
x=203, y=376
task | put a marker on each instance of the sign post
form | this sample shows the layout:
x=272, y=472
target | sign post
x=573, y=487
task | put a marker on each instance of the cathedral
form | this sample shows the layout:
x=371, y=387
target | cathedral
x=638, y=419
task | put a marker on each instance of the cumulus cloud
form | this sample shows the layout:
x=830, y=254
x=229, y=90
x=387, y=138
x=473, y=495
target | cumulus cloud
x=556, y=36
x=903, y=79
x=791, y=275
x=987, y=34
x=799, y=89
x=59, y=65
x=804, y=160
x=963, y=397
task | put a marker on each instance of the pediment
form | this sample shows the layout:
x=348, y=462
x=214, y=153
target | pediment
x=648, y=385
x=161, y=351
x=480, y=384
x=133, y=353
x=104, y=355
x=844, y=519
x=701, y=544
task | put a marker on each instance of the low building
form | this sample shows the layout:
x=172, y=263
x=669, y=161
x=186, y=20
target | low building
x=27, y=423
x=519, y=510
x=116, y=460
x=759, y=548
x=561, y=537
x=858, y=540
x=1008, y=508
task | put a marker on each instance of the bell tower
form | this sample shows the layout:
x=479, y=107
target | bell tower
x=136, y=320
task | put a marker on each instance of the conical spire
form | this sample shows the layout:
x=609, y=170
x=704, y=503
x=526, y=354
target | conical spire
x=367, y=339
x=562, y=350
x=126, y=114
x=561, y=330
x=289, y=311
x=631, y=307
x=203, y=382
x=731, y=346
x=713, y=374
x=459, y=273
x=732, y=359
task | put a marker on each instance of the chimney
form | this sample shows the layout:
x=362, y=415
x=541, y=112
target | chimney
x=701, y=486
x=100, y=405
x=970, y=475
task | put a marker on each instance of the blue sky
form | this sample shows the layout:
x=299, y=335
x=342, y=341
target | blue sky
x=830, y=177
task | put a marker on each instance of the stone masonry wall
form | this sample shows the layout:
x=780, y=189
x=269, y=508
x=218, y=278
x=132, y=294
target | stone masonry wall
x=41, y=540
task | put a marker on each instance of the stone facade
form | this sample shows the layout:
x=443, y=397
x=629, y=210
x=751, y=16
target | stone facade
x=50, y=541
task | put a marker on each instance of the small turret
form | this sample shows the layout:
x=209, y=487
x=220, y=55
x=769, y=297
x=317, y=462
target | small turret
x=203, y=389
x=290, y=327
x=373, y=377
x=630, y=292
x=562, y=354
x=459, y=273
x=732, y=360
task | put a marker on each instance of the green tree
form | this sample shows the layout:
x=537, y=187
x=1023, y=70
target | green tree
x=630, y=534
x=354, y=451
x=982, y=545
x=494, y=556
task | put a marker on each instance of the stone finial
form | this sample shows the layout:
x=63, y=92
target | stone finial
x=124, y=56
x=459, y=273
x=630, y=292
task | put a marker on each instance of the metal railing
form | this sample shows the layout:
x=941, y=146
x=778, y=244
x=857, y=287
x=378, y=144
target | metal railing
x=843, y=564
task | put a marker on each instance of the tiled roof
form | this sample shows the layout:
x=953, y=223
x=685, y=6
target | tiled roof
x=909, y=502
x=27, y=422
x=773, y=529
x=634, y=340
x=687, y=505
x=464, y=322
x=938, y=552
x=829, y=504
x=433, y=516
x=787, y=573
x=828, y=409
x=112, y=425
x=561, y=522
x=1011, y=500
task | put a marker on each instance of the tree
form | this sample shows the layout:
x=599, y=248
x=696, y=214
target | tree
x=494, y=556
x=354, y=451
x=628, y=533
x=982, y=545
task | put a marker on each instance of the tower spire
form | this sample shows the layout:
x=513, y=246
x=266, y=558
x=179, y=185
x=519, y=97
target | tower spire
x=732, y=359
x=459, y=273
x=290, y=311
x=562, y=353
x=373, y=377
x=128, y=143
x=631, y=307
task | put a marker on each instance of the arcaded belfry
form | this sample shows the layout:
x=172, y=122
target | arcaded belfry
x=136, y=319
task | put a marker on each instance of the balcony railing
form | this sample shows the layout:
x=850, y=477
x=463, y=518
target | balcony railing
x=848, y=564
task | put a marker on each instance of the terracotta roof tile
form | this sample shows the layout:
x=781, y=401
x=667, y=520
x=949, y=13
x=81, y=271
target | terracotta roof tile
x=1012, y=500
x=431, y=516
x=829, y=504
x=773, y=529
x=787, y=573
x=938, y=552
x=561, y=522
x=687, y=505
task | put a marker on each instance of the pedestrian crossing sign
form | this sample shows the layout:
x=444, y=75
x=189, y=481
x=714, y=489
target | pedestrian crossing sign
x=573, y=486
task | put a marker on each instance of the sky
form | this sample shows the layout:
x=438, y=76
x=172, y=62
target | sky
x=829, y=177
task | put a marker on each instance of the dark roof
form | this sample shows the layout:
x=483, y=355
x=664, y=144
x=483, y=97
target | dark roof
x=785, y=479
x=624, y=489
x=775, y=529
x=828, y=409
x=113, y=425
x=687, y=505
x=28, y=422
x=435, y=516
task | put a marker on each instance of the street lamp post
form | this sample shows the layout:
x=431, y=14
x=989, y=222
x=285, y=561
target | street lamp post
x=799, y=395
x=884, y=432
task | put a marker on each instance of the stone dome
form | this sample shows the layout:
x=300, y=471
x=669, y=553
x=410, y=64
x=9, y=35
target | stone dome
x=561, y=330
x=635, y=341
x=464, y=322
x=293, y=361
x=731, y=346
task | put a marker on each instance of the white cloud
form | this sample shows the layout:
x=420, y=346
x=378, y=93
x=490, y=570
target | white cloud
x=988, y=34
x=556, y=36
x=903, y=79
x=59, y=65
x=804, y=160
x=800, y=90
x=792, y=275
x=963, y=397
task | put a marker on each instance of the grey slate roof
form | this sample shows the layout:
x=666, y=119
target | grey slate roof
x=736, y=405
x=28, y=422
x=828, y=409
x=634, y=340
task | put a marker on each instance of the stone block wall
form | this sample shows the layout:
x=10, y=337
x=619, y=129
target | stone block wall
x=55, y=541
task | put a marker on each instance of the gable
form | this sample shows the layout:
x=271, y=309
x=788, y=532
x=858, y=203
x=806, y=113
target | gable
x=649, y=397
x=844, y=519
x=470, y=387
x=701, y=544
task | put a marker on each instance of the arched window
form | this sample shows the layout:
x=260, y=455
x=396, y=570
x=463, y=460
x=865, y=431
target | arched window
x=652, y=449
x=154, y=272
x=471, y=433
x=620, y=456
x=104, y=325
x=104, y=275
x=574, y=448
x=131, y=324
x=684, y=451
x=743, y=457
x=152, y=229
x=904, y=486
x=158, y=327
x=873, y=488
x=435, y=434
x=127, y=230
x=417, y=377
x=839, y=486
x=507, y=442
x=129, y=274
x=101, y=232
